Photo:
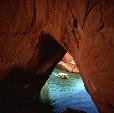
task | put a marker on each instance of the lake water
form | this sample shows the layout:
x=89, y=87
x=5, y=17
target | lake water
x=68, y=93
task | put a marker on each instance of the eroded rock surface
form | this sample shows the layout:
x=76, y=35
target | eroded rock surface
x=68, y=64
x=85, y=28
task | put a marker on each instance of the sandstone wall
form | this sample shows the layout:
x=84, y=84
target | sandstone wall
x=85, y=28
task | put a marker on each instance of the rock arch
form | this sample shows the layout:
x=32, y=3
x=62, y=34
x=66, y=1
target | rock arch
x=83, y=27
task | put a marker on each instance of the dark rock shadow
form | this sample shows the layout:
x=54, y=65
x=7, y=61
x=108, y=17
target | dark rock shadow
x=19, y=93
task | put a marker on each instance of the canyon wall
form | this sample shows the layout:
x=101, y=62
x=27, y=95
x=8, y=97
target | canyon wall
x=68, y=64
x=35, y=35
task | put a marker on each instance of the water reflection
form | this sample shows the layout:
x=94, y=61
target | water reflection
x=68, y=93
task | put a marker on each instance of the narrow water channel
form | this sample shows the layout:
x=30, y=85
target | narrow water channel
x=67, y=93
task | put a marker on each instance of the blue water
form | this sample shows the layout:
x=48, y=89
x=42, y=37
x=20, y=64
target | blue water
x=69, y=93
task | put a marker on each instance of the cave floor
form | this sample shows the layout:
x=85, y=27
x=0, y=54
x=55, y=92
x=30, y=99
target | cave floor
x=67, y=93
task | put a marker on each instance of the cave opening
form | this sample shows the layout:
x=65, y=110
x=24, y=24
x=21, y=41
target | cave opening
x=65, y=89
x=21, y=88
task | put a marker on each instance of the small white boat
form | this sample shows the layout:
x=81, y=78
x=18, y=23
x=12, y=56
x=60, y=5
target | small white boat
x=63, y=75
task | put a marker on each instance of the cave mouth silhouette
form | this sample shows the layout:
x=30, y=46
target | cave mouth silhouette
x=51, y=51
x=67, y=93
x=21, y=88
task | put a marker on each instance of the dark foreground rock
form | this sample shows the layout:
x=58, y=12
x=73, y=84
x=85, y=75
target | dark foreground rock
x=73, y=111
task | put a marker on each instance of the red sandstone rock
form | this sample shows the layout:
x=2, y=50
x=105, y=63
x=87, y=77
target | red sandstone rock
x=68, y=64
x=85, y=28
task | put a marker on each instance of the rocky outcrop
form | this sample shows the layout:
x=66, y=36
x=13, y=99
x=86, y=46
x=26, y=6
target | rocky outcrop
x=68, y=64
x=35, y=35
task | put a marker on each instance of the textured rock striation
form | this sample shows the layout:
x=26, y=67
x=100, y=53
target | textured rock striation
x=35, y=35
